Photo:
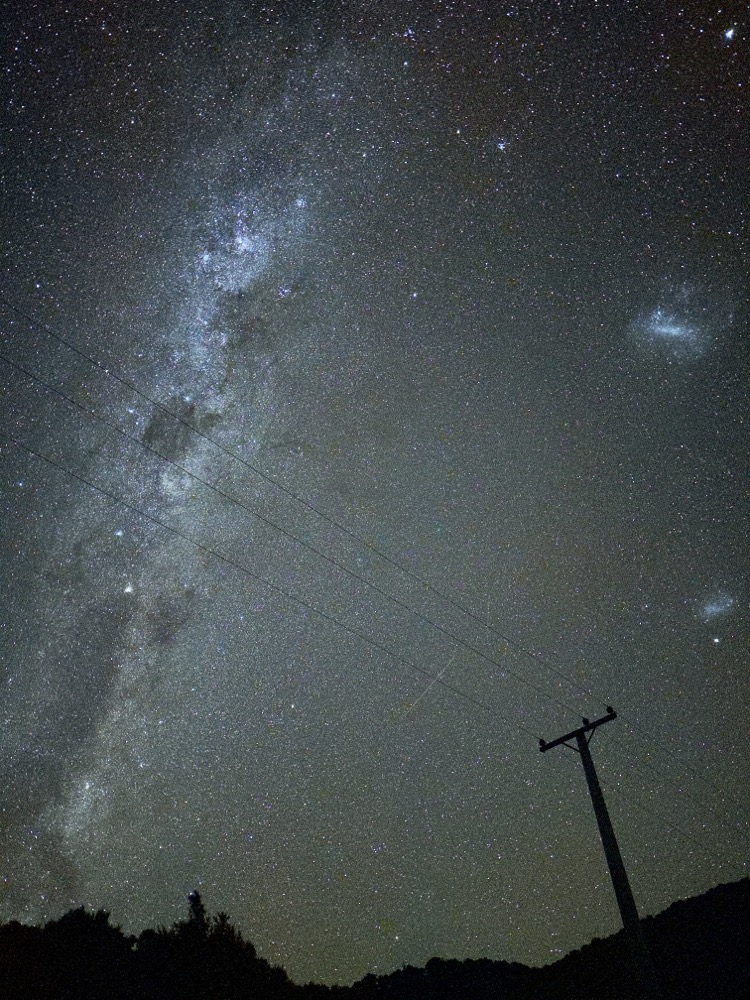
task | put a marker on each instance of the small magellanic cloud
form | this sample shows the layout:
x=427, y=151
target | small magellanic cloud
x=715, y=607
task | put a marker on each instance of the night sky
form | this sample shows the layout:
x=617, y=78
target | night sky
x=374, y=398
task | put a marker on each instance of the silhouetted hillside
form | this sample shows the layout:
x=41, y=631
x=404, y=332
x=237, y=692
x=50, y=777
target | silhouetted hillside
x=700, y=946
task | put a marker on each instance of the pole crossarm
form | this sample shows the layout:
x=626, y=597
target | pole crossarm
x=587, y=727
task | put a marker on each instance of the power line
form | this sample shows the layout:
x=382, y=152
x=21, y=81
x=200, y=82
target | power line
x=228, y=560
x=277, y=527
x=666, y=780
x=659, y=817
x=536, y=657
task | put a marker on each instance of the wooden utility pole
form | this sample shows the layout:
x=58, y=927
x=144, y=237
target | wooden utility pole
x=644, y=966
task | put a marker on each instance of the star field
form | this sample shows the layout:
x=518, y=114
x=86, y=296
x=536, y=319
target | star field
x=374, y=402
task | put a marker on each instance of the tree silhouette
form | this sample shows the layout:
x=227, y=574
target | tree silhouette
x=205, y=958
x=80, y=955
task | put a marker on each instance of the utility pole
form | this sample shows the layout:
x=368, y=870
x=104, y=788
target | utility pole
x=644, y=966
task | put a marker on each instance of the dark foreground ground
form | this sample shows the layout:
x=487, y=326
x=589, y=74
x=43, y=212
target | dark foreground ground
x=700, y=947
